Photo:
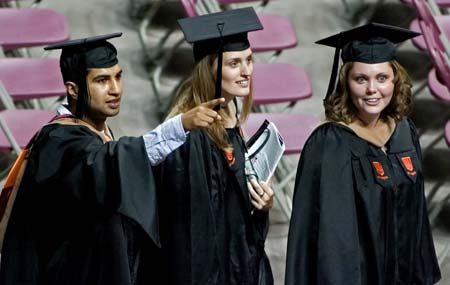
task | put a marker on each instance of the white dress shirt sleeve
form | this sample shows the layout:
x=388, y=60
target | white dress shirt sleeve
x=159, y=142
x=63, y=110
x=164, y=139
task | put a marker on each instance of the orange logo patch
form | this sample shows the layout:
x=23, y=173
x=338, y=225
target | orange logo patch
x=407, y=162
x=379, y=168
x=230, y=157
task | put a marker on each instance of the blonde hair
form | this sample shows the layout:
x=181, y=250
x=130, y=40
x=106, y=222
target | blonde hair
x=340, y=108
x=199, y=88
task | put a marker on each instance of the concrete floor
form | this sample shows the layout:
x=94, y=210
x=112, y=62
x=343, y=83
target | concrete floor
x=313, y=20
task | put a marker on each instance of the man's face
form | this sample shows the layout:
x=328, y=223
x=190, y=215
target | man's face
x=105, y=91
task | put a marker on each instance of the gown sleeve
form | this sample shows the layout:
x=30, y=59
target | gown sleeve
x=187, y=228
x=85, y=212
x=70, y=162
x=426, y=267
x=323, y=234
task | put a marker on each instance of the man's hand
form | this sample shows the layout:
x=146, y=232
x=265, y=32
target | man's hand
x=201, y=116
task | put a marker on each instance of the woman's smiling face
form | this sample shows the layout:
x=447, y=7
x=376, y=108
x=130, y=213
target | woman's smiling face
x=371, y=88
x=236, y=73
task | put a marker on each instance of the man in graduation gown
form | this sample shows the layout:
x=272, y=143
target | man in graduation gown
x=86, y=210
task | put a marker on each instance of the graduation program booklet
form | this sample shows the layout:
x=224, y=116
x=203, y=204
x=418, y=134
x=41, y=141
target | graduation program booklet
x=264, y=151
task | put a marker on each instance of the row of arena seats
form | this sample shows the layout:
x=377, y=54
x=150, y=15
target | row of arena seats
x=435, y=41
x=27, y=81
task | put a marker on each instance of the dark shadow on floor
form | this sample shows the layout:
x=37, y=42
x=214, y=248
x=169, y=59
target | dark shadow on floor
x=167, y=15
x=429, y=114
x=416, y=63
x=443, y=219
x=436, y=164
x=397, y=14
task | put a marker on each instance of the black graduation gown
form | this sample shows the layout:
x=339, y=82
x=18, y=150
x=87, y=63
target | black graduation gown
x=208, y=234
x=359, y=215
x=85, y=213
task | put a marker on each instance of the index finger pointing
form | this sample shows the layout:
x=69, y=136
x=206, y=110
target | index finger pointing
x=214, y=102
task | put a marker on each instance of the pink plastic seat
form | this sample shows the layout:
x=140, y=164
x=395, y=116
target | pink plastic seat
x=447, y=133
x=280, y=82
x=439, y=86
x=17, y=126
x=437, y=89
x=28, y=27
x=439, y=77
x=278, y=34
x=23, y=124
x=189, y=7
x=443, y=23
x=295, y=128
x=228, y=2
x=440, y=3
x=31, y=78
x=419, y=42
x=257, y=4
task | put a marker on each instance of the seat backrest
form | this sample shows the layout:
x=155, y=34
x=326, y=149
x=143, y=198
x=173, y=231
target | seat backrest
x=437, y=53
x=447, y=133
x=425, y=13
x=189, y=7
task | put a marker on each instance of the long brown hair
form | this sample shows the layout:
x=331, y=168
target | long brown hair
x=199, y=88
x=340, y=108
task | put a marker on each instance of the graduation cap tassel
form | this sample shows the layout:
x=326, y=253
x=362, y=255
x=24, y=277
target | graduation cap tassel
x=83, y=98
x=332, y=83
x=236, y=114
x=218, y=91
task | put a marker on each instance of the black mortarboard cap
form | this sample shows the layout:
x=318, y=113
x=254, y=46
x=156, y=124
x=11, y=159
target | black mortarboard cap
x=228, y=29
x=371, y=43
x=96, y=51
x=79, y=55
x=220, y=32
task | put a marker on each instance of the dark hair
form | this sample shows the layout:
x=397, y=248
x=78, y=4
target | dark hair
x=340, y=108
x=73, y=69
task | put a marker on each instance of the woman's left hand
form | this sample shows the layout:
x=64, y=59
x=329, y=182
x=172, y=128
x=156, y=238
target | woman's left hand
x=261, y=195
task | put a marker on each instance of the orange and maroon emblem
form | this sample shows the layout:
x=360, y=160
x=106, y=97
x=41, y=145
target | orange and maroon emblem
x=230, y=157
x=407, y=162
x=380, y=170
